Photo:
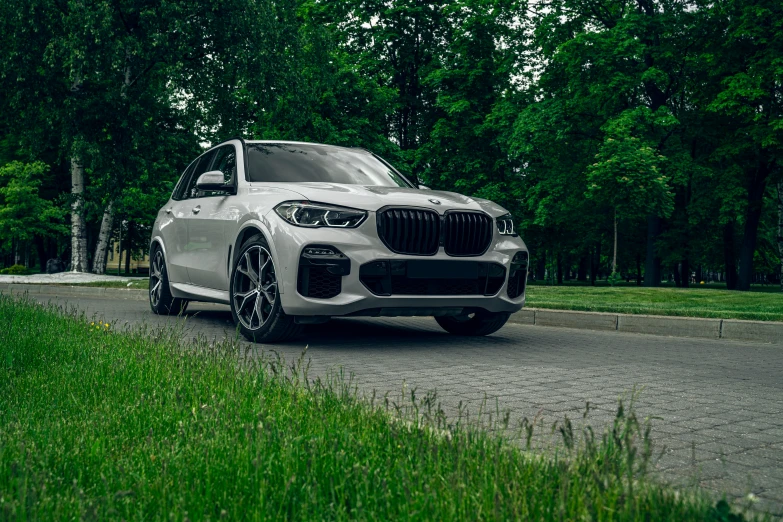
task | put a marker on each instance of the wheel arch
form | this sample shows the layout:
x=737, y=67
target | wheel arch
x=249, y=229
x=157, y=242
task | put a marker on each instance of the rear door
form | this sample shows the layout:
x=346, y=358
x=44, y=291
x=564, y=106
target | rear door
x=173, y=228
x=207, y=225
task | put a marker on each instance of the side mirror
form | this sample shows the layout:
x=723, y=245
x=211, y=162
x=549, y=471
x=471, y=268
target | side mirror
x=424, y=187
x=212, y=180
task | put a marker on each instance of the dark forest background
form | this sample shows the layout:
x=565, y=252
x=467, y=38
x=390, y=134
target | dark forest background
x=642, y=137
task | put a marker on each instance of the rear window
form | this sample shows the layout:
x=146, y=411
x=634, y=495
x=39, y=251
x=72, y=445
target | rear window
x=301, y=163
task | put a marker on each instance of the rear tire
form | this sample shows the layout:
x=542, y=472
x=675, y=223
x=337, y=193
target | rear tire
x=161, y=300
x=255, y=300
x=479, y=323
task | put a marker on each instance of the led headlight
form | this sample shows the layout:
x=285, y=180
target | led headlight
x=505, y=225
x=314, y=215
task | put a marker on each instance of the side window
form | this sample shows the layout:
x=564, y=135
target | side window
x=179, y=190
x=226, y=162
x=203, y=165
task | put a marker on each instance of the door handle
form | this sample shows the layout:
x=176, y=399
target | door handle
x=197, y=209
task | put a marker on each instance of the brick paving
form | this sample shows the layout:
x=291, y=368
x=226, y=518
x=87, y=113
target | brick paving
x=717, y=405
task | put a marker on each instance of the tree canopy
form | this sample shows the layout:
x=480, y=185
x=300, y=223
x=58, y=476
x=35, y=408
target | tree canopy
x=636, y=136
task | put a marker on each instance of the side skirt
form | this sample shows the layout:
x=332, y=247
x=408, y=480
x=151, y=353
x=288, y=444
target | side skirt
x=199, y=293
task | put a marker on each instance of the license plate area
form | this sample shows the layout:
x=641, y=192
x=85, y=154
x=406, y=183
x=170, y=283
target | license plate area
x=447, y=269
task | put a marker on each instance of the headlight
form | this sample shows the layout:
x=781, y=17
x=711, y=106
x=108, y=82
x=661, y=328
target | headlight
x=506, y=225
x=314, y=215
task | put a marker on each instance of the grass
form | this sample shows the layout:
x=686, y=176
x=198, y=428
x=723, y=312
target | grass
x=136, y=425
x=690, y=302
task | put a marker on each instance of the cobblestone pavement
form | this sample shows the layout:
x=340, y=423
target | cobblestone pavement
x=717, y=406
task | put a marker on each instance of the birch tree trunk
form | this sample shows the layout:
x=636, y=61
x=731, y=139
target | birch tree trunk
x=102, y=246
x=780, y=230
x=78, y=228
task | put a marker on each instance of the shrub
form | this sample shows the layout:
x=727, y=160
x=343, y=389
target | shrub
x=15, y=270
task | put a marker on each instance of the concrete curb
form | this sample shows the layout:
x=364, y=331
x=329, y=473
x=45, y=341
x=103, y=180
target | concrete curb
x=671, y=326
x=78, y=291
x=729, y=329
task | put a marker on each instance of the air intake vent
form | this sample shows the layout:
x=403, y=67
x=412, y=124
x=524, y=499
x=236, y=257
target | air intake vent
x=467, y=233
x=410, y=231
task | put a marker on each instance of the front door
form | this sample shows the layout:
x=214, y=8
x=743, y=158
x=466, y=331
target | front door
x=210, y=213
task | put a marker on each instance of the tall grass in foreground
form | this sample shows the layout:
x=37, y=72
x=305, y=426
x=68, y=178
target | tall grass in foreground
x=136, y=425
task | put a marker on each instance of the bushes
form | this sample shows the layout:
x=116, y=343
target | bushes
x=15, y=270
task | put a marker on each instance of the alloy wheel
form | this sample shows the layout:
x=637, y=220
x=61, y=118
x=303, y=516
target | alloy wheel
x=255, y=287
x=156, y=278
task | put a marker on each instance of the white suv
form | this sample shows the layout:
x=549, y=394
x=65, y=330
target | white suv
x=290, y=233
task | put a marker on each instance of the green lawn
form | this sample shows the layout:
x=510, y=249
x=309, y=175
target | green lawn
x=760, y=304
x=137, y=426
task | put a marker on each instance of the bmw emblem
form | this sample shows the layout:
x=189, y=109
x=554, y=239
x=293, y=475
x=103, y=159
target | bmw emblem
x=435, y=201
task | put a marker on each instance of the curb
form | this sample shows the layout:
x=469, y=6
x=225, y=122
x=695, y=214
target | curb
x=671, y=326
x=80, y=291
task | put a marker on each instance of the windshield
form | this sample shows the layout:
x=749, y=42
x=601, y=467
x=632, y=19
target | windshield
x=300, y=162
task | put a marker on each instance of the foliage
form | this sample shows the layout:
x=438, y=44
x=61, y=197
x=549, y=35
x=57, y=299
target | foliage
x=664, y=113
x=23, y=212
x=15, y=270
x=133, y=426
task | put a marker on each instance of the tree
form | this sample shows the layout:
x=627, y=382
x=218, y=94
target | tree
x=464, y=150
x=24, y=214
x=628, y=174
x=747, y=64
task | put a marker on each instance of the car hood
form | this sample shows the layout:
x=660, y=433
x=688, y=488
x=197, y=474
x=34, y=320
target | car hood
x=374, y=198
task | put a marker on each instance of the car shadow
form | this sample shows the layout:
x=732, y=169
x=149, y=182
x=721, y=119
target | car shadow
x=360, y=333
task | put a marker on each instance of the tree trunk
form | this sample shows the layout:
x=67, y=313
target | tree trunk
x=595, y=264
x=780, y=230
x=752, y=218
x=685, y=267
x=581, y=273
x=652, y=265
x=40, y=247
x=102, y=246
x=78, y=227
x=729, y=256
x=677, y=279
x=638, y=270
x=559, y=269
x=541, y=266
x=128, y=250
x=614, y=254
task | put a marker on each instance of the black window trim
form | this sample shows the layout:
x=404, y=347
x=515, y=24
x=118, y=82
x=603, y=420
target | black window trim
x=195, y=161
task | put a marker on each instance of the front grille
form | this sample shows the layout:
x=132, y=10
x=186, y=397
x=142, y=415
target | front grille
x=396, y=278
x=318, y=282
x=467, y=233
x=410, y=231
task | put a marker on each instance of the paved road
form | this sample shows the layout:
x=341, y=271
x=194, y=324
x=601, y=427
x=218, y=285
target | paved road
x=720, y=404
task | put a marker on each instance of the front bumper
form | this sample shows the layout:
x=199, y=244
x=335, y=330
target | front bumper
x=361, y=246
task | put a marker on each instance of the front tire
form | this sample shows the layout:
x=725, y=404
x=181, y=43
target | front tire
x=161, y=300
x=255, y=301
x=478, y=323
